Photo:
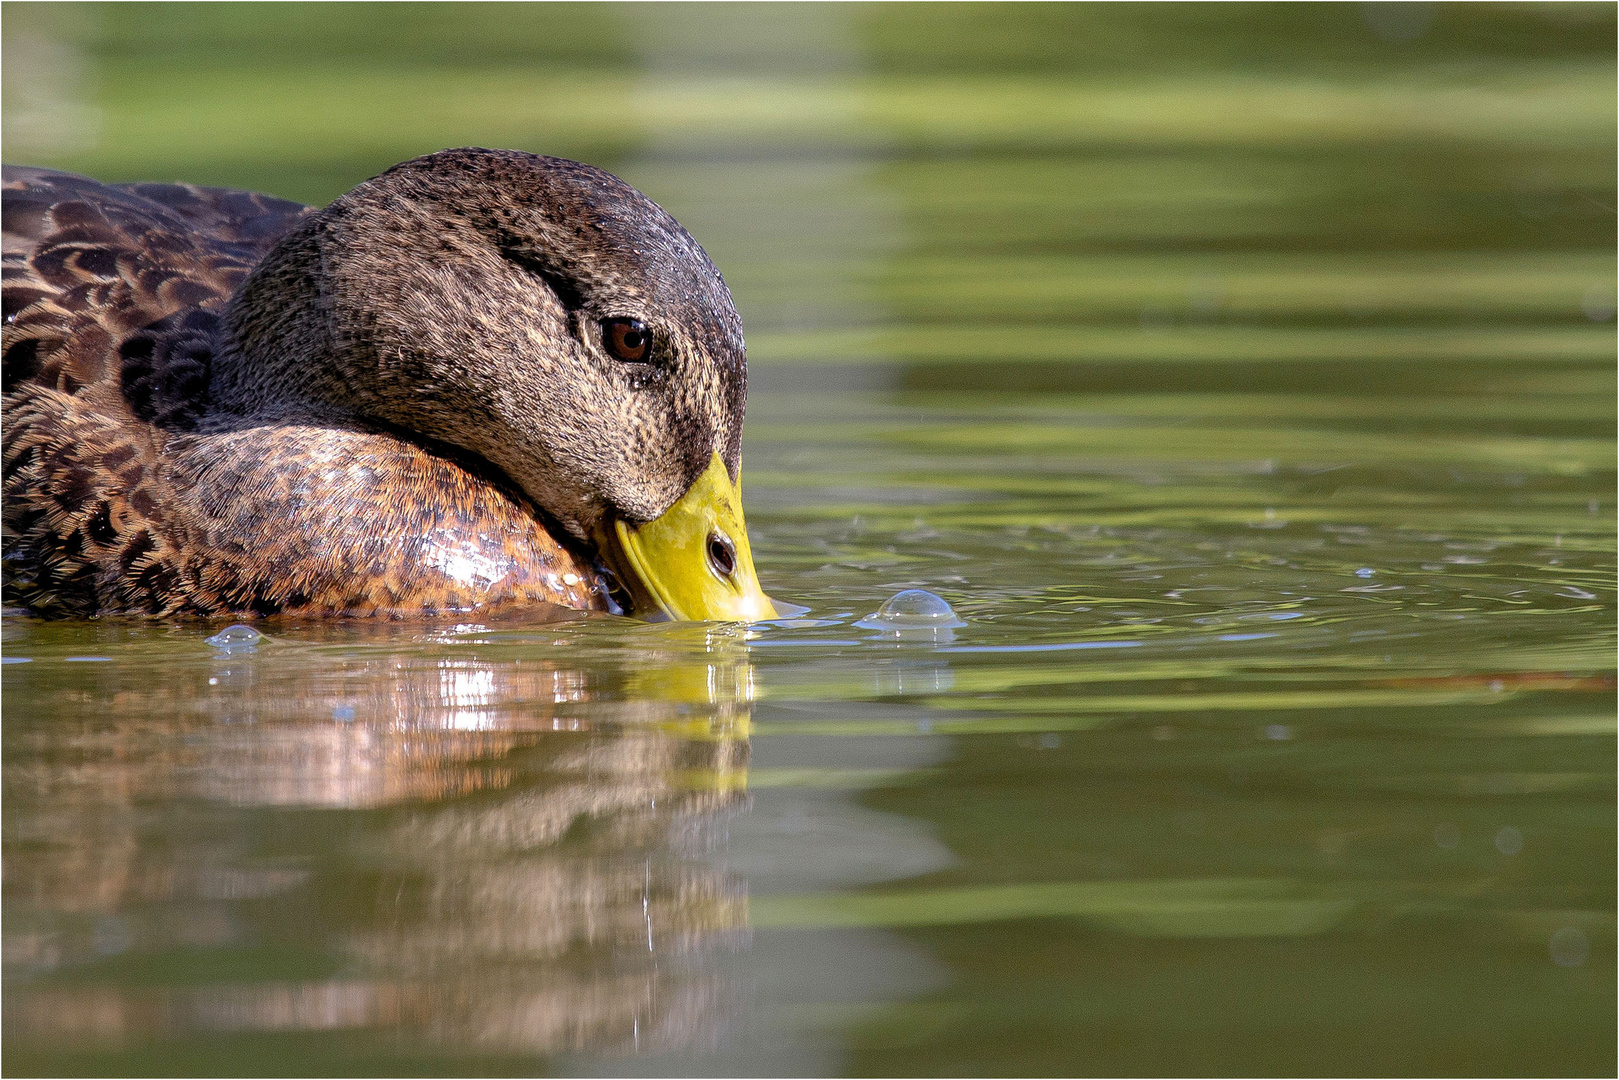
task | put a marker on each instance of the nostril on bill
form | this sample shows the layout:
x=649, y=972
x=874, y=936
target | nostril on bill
x=721, y=554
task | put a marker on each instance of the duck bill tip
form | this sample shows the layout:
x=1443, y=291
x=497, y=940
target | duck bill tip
x=693, y=561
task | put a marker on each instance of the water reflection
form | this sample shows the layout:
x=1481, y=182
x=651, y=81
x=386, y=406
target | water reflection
x=506, y=849
x=1133, y=331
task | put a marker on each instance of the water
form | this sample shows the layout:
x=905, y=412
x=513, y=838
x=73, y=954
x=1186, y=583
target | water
x=1242, y=379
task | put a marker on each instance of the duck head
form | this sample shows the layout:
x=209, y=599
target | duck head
x=544, y=316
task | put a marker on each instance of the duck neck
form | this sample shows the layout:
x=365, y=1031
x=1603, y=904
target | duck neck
x=276, y=357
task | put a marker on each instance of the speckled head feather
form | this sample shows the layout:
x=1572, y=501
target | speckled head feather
x=461, y=296
x=219, y=402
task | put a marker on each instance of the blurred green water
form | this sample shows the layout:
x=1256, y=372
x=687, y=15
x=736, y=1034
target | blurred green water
x=1252, y=363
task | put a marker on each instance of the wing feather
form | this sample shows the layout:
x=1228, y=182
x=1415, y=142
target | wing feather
x=111, y=299
x=88, y=264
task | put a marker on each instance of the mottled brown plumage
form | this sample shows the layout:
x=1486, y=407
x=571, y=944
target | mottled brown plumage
x=217, y=401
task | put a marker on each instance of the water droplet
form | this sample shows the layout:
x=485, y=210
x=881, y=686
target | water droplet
x=1569, y=947
x=343, y=713
x=1508, y=841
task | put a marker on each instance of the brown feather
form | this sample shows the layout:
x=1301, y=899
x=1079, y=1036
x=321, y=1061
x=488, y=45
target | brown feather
x=130, y=487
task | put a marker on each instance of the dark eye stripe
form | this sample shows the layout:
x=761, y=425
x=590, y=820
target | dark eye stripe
x=627, y=339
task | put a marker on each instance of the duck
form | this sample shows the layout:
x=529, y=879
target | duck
x=482, y=380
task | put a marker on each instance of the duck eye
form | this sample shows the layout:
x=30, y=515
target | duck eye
x=721, y=554
x=627, y=339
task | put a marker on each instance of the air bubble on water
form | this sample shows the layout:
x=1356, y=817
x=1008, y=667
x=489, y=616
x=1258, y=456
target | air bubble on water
x=1365, y=571
x=913, y=614
x=237, y=638
x=343, y=714
x=1508, y=841
x=1447, y=835
x=915, y=607
x=1278, y=732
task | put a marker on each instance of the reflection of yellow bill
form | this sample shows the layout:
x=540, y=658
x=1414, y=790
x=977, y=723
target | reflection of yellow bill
x=694, y=562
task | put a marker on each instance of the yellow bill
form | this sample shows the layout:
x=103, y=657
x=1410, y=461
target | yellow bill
x=694, y=561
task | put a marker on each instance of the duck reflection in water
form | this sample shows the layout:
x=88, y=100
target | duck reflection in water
x=483, y=864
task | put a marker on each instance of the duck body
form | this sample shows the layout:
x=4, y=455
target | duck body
x=177, y=443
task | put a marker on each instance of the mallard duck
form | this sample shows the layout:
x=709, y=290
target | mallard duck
x=482, y=378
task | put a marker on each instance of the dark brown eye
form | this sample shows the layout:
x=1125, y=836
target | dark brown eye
x=627, y=339
x=721, y=554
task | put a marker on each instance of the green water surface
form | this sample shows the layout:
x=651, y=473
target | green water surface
x=1242, y=374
